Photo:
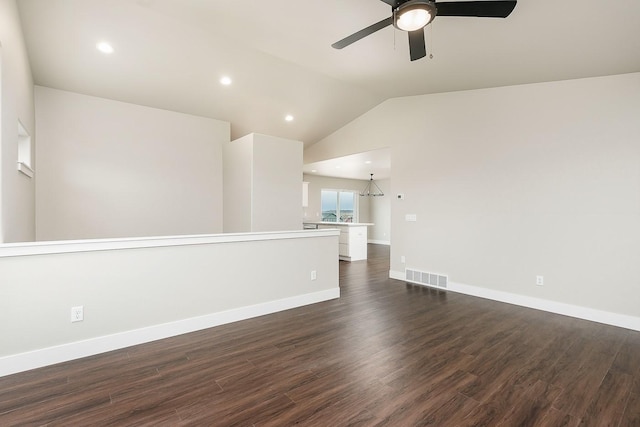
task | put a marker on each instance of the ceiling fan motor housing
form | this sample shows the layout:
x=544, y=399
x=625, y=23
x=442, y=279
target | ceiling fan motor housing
x=412, y=7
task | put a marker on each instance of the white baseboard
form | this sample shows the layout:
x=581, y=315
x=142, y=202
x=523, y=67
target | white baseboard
x=586, y=313
x=75, y=350
x=398, y=275
x=379, y=242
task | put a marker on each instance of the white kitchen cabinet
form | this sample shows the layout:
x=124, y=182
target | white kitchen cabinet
x=352, y=243
x=357, y=242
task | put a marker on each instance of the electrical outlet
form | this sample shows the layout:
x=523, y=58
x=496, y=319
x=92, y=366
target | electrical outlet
x=402, y=259
x=411, y=217
x=77, y=314
x=314, y=275
x=539, y=280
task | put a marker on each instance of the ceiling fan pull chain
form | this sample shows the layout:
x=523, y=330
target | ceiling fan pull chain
x=394, y=33
x=431, y=40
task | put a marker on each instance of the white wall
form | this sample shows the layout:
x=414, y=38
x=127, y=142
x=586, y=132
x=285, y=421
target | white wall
x=380, y=214
x=514, y=182
x=262, y=184
x=112, y=169
x=237, y=188
x=17, y=191
x=140, y=290
x=277, y=183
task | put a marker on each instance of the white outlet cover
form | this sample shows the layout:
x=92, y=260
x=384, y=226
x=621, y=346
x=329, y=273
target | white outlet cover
x=77, y=314
x=540, y=280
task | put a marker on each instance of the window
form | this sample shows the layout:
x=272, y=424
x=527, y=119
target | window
x=24, y=151
x=339, y=206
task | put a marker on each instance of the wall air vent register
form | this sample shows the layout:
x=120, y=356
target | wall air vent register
x=426, y=278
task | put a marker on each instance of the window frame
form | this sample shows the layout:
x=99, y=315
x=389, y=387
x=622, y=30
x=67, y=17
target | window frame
x=25, y=149
x=356, y=205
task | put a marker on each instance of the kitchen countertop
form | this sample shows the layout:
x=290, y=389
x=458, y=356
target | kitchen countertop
x=340, y=224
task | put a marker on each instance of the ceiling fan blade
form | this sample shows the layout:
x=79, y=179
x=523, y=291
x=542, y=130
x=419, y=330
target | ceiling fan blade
x=362, y=33
x=483, y=9
x=417, y=47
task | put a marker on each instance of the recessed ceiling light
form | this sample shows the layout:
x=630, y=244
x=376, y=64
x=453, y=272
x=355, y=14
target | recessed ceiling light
x=314, y=170
x=225, y=80
x=338, y=167
x=104, y=47
x=368, y=162
x=288, y=118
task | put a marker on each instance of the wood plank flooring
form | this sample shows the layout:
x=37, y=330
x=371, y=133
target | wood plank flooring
x=386, y=353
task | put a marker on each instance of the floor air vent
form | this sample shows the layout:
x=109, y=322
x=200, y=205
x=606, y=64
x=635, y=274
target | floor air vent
x=425, y=278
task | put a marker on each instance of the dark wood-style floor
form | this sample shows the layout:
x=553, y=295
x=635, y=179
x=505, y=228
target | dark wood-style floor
x=386, y=353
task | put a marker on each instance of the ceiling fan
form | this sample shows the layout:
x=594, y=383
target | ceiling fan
x=413, y=15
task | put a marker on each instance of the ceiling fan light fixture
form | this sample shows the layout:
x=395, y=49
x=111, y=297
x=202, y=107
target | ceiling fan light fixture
x=414, y=14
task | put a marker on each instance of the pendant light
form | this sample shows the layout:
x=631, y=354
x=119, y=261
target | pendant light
x=370, y=189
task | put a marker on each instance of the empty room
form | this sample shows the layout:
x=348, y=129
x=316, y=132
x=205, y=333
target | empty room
x=319, y=213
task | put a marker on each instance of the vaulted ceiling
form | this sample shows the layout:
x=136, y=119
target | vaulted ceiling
x=171, y=54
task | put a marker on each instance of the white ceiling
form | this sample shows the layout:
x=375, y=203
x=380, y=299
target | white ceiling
x=171, y=53
x=355, y=166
